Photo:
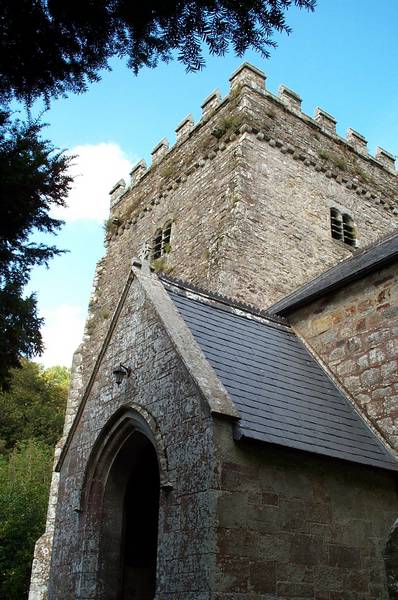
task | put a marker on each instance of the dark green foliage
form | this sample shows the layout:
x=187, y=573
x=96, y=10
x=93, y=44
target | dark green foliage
x=31, y=418
x=33, y=177
x=34, y=405
x=24, y=483
x=55, y=46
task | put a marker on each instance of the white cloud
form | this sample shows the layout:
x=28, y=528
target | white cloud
x=62, y=333
x=96, y=168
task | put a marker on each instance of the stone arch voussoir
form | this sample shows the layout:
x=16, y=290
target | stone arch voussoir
x=127, y=419
x=119, y=430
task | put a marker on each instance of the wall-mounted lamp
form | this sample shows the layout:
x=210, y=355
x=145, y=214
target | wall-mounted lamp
x=120, y=373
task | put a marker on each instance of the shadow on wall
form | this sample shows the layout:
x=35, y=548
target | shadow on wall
x=391, y=562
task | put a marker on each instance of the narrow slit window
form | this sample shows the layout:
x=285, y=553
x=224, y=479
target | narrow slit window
x=336, y=224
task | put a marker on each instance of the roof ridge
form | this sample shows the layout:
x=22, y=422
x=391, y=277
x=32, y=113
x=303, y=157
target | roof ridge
x=227, y=300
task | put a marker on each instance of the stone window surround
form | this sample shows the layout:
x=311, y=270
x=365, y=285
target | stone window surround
x=161, y=240
x=343, y=227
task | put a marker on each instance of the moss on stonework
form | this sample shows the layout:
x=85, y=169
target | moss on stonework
x=159, y=265
x=336, y=161
x=235, y=93
x=234, y=198
x=227, y=124
x=109, y=226
x=90, y=325
x=170, y=169
x=104, y=314
x=363, y=175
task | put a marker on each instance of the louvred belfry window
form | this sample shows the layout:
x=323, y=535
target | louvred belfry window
x=161, y=241
x=157, y=245
x=336, y=224
x=342, y=227
x=349, y=231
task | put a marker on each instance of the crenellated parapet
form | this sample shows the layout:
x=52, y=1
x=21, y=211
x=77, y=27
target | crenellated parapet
x=346, y=162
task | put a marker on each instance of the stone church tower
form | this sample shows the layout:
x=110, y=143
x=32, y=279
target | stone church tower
x=252, y=202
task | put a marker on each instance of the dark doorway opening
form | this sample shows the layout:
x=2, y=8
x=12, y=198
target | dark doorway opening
x=140, y=527
x=128, y=521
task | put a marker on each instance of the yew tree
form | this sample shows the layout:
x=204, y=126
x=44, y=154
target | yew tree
x=33, y=178
x=50, y=47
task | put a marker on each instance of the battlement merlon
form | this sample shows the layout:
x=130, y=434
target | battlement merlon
x=292, y=99
x=184, y=128
x=325, y=120
x=117, y=191
x=210, y=103
x=357, y=140
x=160, y=150
x=386, y=158
x=246, y=74
x=137, y=172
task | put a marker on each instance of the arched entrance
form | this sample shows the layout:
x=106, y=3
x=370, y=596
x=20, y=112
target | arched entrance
x=140, y=530
x=121, y=512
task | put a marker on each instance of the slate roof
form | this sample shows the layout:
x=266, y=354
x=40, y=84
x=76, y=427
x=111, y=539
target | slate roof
x=282, y=394
x=363, y=262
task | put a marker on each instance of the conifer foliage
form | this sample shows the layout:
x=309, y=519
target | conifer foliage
x=33, y=177
x=54, y=46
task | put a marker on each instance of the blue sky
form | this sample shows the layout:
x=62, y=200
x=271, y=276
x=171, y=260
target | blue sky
x=342, y=57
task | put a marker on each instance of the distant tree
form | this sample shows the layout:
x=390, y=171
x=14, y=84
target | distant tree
x=24, y=483
x=33, y=177
x=49, y=47
x=58, y=376
x=34, y=405
x=31, y=419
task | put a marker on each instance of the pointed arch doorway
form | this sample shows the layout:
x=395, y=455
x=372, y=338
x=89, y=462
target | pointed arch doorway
x=122, y=511
x=140, y=527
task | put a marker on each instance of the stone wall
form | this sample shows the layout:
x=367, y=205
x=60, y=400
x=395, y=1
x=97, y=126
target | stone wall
x=249, y=189
x=239, y=520
x=296, y=526
x=160, y=386
x=355, y=333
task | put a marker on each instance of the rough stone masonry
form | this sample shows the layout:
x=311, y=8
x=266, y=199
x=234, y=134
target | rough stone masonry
x=248, y=191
